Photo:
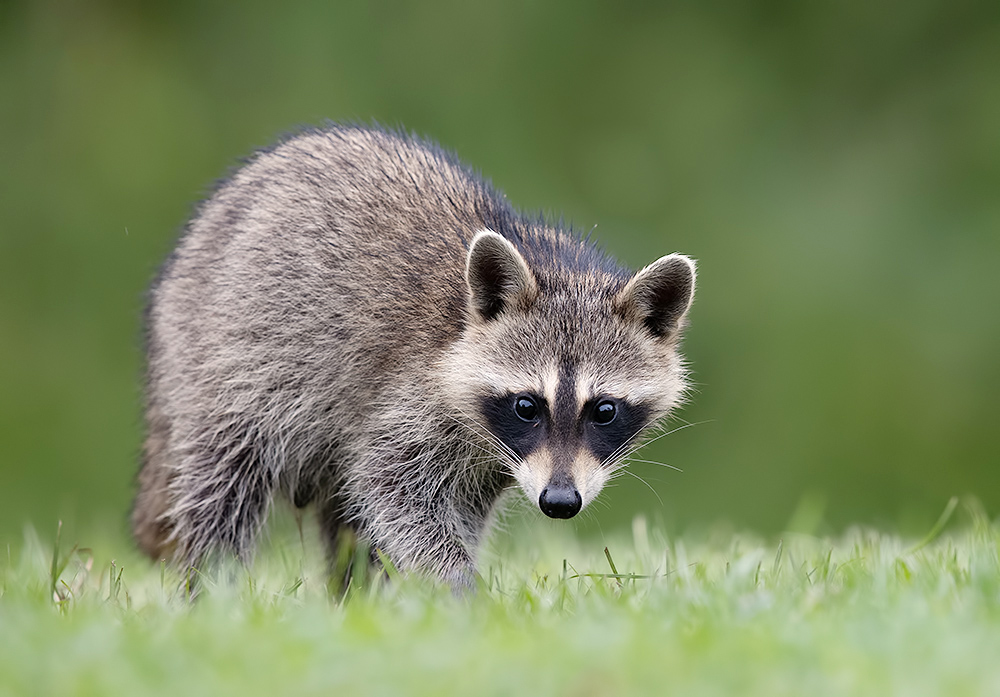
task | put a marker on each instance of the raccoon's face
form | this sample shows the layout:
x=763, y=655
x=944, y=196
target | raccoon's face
x=562, y=372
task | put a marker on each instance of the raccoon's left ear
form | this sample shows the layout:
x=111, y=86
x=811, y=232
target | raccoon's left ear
x=660, y=294
x=498, y=277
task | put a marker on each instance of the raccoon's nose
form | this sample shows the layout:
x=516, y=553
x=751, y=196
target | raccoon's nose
x=560, y=501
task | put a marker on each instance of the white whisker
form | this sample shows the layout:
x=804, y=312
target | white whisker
x=648, y=486
x=630, y=447
x=654, y=462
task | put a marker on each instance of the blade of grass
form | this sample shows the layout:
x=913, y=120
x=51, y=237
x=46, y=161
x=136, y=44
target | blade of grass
x=390, y=568
x=938, y=526
x=54, y=569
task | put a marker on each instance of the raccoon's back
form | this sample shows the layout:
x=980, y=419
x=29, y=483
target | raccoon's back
x=336, y=257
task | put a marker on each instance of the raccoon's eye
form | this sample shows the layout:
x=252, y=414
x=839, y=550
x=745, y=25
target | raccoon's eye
x=605, y=412
x=525, y=408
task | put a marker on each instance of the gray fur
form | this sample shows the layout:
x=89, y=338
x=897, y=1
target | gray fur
x=324, y=333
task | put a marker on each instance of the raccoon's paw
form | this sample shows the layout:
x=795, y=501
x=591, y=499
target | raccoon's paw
x=463, y=581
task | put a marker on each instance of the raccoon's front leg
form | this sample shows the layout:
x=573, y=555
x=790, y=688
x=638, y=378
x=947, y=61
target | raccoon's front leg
x=421, y=527
x=429, y=549
x=427, y=541
x=440, y=553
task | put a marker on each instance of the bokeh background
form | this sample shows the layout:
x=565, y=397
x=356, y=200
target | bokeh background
x=835, y=167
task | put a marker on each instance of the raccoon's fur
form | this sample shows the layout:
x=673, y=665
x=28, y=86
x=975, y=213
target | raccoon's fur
x=357, y=321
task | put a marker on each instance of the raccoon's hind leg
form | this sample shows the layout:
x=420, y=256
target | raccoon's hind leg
x=220, y=493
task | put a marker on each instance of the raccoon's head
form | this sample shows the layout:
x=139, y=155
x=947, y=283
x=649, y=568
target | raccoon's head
x=563, y=366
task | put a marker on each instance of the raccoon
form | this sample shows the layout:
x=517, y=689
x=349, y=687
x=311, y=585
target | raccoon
x=358, y=322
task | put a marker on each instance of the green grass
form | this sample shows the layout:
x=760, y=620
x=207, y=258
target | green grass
x=865, y=613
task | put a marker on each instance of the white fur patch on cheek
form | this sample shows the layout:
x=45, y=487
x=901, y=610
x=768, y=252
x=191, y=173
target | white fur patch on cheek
x=534, y=473
x=595, y=482
x=590, y=477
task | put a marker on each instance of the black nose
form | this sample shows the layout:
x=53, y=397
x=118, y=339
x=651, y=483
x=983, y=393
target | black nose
x=560, y=501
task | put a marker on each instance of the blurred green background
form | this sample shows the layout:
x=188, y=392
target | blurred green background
x=834, y=167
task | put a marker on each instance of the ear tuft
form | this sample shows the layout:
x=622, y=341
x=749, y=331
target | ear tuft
x=498, y=278
x=660, y=294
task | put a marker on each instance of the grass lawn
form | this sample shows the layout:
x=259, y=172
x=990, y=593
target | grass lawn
x=865, y=613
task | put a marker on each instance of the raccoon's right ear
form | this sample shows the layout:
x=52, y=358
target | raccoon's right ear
x=497, y=276
x=660, y=295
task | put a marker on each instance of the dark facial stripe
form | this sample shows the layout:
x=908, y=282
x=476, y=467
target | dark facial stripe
x=564, y=412
x=564, y=436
